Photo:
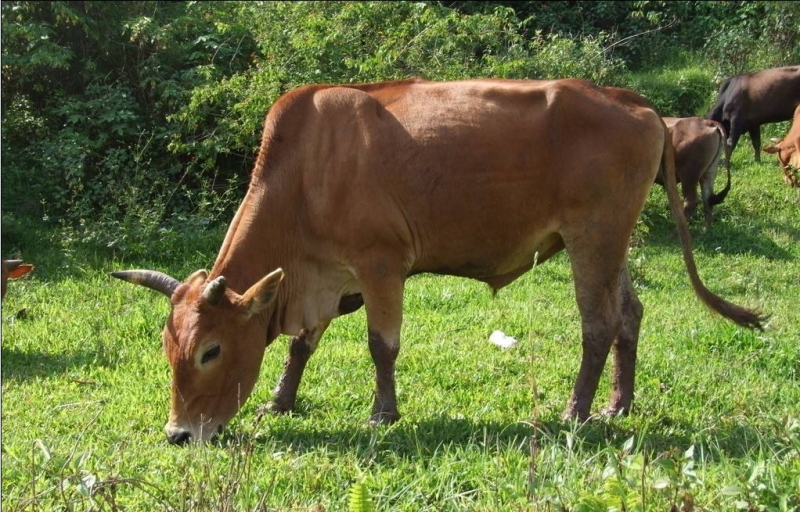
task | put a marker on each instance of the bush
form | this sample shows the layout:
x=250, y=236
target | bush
x=351, y=42
x=87, y=89
x=684, y=92
x=757, y=35
x=118, y=112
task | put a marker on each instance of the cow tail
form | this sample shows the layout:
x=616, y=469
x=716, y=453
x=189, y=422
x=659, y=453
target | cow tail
x=738, y=314
x=723, y=146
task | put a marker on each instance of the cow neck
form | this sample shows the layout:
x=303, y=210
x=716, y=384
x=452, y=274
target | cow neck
x=261, y=237
x=257, y=243
x=254, y=241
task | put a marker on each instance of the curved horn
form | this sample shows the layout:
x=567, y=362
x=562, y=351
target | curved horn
x=11, y=264
x=214, y=291
x=150, y=279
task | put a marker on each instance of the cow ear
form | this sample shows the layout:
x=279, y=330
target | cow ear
x=261, y=294
x=772, y=148
x=197, y=278
x=20, y=271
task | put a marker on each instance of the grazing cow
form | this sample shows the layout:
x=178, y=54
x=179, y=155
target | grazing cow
x=12, y=269
x=745, y=102
x=788, y=151
x=358, y=187
x=699, y=146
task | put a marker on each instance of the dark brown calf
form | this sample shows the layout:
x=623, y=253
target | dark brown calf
x=699, y=149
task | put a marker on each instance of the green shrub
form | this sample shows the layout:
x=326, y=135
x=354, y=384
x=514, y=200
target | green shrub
x=681, y=92
x=351, y=42
x=108, y=107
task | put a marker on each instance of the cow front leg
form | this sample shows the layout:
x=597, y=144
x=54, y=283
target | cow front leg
x=384, y=354
x=755, y=138
x=383, y=299
x=736, y=130
x=624, y=348
x=300, y=349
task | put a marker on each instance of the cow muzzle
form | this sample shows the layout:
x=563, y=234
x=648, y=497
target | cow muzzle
x=180, y=436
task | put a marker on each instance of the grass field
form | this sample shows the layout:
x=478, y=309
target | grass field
x=715, y=426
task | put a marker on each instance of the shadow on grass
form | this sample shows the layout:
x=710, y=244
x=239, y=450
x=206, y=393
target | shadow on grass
x=427, y=438
x=21, y=365
x=58, y=255
x=725, y=236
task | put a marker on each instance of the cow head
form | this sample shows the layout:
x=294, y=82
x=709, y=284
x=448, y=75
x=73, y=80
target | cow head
x=214, y=369
x=788, y=158
x=788, y=151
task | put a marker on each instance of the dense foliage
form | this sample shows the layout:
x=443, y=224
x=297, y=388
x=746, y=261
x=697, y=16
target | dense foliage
x=123, y=118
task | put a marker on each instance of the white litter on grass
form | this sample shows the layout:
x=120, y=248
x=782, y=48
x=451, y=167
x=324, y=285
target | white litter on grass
x=500, y=339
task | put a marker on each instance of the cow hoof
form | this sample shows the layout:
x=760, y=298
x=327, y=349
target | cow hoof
x=383, y=418
x=572, y=415
x=611, y=412
x=272, y=408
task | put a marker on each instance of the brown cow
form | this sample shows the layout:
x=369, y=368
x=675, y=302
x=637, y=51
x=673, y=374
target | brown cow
x=12, y=269
x=788, y=151
x=699, y=147
x=745, y=102
x=357, y=187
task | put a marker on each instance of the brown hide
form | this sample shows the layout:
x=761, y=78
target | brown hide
x=788, y=151
x=358, y=187
x=699, y=148
x=745, y=102
x=12, y=269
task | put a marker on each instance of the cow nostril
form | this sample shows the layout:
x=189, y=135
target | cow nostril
x=180, y=437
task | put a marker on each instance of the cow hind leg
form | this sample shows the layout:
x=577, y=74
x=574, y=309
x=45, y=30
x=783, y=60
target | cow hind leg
x=597, y=289
x=624, y=348
x=689, y=188
x=707, y=188
x=300, y=349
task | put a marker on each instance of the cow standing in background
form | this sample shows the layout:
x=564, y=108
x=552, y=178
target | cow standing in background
x=13, y=269
x=788, y=151
x=699, y=148
x=745, y=102
x=358, y=187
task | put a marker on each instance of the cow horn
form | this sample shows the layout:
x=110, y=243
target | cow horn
x=150, y=279
x=214, y=291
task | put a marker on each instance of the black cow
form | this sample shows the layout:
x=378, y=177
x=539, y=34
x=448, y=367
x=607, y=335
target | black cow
x=745, y=102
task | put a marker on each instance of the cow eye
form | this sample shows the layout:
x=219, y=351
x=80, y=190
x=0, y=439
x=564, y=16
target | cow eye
x=211, y=354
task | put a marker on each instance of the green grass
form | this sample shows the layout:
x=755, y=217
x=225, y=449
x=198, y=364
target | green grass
x=716, y=424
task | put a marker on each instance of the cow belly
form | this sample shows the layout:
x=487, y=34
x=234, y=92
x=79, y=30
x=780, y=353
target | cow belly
x=495, y=268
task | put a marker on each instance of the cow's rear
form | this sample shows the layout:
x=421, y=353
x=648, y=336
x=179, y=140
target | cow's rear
x=699, y=149
x=747, y=101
